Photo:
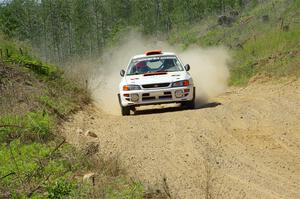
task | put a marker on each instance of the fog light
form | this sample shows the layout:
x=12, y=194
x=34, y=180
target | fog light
x=179, y=93
x=134, y=97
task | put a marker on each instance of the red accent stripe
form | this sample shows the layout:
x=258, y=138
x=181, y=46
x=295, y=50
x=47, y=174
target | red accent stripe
x=157, y=73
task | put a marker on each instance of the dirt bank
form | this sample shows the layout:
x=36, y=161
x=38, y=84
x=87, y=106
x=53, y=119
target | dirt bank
x=244, y=144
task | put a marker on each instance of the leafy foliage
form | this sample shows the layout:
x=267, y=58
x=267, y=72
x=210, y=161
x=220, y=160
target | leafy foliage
x=64, y=29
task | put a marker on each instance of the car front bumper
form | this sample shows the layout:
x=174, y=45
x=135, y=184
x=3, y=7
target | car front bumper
x=156, y=96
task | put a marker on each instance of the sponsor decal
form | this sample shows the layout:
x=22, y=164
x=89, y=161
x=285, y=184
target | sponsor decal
x=153, y=58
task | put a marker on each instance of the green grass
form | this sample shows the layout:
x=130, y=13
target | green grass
x=29, y=153
x=135, y=190
x=274, y=53
x=33, y=126
x=35, y=165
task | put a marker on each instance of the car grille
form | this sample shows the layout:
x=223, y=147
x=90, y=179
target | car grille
x=164, y=96
x=160, y=85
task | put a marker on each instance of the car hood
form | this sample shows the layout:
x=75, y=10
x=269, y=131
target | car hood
x=158, y=78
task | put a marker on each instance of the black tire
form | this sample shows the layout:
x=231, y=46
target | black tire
x=191, y=104
x=125, y=111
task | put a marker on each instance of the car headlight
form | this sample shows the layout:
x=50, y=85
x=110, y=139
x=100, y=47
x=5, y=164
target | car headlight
x=131, y=87
x=181, y=83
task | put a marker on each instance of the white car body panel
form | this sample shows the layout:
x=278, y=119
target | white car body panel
x=170, y=77
x=155, y=95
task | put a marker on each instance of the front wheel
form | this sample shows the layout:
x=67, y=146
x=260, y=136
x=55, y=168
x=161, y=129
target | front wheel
x=125, y=111
x=191, y=104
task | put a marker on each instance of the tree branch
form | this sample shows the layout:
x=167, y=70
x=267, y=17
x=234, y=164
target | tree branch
x=11, y=173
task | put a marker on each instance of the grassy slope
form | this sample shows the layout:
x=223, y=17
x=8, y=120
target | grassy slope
x=34, y=160
x=258, y=47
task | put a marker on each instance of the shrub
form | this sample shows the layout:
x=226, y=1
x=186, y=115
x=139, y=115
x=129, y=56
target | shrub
x=60, y=189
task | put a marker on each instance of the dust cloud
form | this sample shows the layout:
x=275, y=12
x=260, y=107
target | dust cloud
x=209, y=68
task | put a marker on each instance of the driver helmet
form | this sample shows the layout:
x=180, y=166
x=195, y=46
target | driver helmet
x=141, y=67
x=169, y=63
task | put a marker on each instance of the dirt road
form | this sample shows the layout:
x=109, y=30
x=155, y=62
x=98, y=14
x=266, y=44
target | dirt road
x=244, y=144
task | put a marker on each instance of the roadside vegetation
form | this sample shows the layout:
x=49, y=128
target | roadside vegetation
x=35, y=160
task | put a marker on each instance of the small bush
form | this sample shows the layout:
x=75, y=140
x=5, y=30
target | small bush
x=60, y=189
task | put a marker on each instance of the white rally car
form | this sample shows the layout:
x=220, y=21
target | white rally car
x=155, y=77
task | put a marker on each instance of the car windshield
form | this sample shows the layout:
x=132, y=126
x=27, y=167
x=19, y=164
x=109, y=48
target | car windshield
x=154, y=64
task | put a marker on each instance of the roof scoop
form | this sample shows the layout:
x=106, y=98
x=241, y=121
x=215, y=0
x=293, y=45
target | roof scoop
x=153, y=52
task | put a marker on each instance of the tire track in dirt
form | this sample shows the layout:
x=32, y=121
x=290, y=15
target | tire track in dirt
x=247, y=147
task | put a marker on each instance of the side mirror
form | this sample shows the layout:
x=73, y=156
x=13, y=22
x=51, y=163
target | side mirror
x=187, y=67
x=122, y=73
